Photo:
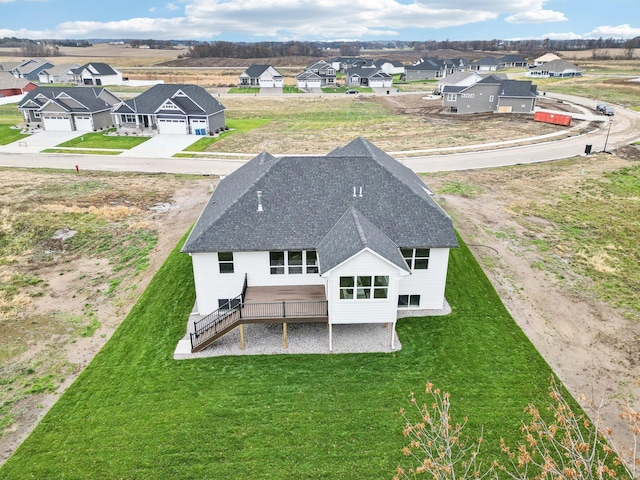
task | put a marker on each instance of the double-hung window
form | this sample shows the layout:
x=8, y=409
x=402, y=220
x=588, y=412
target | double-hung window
x=408, y=301
x=416, y=258
x=225, y=262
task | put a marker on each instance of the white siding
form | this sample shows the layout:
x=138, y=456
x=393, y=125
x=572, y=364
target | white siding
x=212, y=285
x=430, y=283
x=363, y=311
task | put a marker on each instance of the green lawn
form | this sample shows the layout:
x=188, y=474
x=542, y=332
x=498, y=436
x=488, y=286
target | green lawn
x=344, y=89
x=137, y=413
x=291, y=89
x=80, y=151
x=9, y=135
x=100, y=140
x=235, y=126
x=252, y=90
x=10, y=116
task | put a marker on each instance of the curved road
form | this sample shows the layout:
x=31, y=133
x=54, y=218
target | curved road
x=624, y=130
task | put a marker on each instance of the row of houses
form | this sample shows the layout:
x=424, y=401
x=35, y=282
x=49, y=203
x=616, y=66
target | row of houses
x=164, y=108
x=320, y=74
x=361, y=72
x=44, y=71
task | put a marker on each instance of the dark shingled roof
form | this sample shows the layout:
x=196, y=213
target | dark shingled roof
x=82, y=99
x=303, y=198
x=191, y=99
x=350, y=235
x=101, y=68
x=254, y=71
x=517, y=88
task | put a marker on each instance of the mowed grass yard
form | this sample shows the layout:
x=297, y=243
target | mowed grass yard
x=9, y=116
x=137, y=413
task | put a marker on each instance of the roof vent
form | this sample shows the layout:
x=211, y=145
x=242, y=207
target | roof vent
x=260, y=209
x=357, y=192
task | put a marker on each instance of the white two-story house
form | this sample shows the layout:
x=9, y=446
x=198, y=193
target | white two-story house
x=352, y=237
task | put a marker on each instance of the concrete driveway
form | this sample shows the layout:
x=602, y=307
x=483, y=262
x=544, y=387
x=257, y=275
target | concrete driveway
x=39, y=141
x=161, y=146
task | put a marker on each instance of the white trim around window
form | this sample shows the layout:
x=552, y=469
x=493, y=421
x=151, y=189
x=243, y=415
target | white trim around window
x=293, y=262
x=364, y=287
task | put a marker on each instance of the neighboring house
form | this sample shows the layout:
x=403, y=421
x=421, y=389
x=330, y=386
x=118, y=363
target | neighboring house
x=352, y=237
x=390, y=67
x=512, y=61
x=30, y=68
x=342, y=64
x=58, y=74
x=487, y=64
x=547, y=57
x=491, y=94
x=168, y=108
x=555, y=68
x=68, y=108
x=319, y=74
x=368, y=77
x=459, y=79
x=263, y=76
x=11, y=86
x=425, y=69
x=97, y=74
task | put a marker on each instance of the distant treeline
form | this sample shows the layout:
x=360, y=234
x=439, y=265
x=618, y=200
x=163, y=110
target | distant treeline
x=282, y=49
x=253, y=50
x=155, y=44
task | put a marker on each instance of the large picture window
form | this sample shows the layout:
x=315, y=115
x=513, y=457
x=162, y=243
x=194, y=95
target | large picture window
x=225, y=262
x=416, y=258
x=293, y=262
x=364, y=287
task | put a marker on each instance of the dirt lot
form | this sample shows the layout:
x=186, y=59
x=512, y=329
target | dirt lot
x=592, y=347
x=70, y=297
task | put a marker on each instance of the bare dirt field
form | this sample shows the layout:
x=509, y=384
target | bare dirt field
x=593, y=347
x=60, y=301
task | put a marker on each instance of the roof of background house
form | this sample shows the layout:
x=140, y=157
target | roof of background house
x=100, y=68
x=486, y=61
x=557, y=65
x=72, y=99
x=367, y=72
x=512, y=59
x=59, y=69
x=254, y=71
x=304, y=198
x=8, y=81
x=191, y=99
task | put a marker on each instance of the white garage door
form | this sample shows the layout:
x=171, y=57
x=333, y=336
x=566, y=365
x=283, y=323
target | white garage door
x=313, y=84
x=266, y=82
x=83, y=123
x=166, y=125
x=56, y=123
x=197, y=126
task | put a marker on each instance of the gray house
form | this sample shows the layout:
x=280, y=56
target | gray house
x=511, y=61
x=59, y=74
x=486, y=64
x=69, y=108
x=317, y=75
x=425, y=69
x=30, y=68
x=167, y=108
x=368, y=77
x=491, y=94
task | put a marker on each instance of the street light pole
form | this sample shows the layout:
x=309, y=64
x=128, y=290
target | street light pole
x=607, y=139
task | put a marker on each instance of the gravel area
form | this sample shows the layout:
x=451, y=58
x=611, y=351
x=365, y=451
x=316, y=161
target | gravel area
x=303, y=338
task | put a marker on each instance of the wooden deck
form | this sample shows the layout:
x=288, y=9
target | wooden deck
x=285, y=304
x=285, y=293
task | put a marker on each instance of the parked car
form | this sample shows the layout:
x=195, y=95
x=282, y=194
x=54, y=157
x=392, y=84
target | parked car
x=608, y=110
x=601, y=106
x=351, y=91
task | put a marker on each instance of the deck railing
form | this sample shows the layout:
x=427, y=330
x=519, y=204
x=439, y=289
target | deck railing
x=236, y=312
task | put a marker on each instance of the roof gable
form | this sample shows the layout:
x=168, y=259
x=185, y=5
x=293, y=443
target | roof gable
x=351, y=234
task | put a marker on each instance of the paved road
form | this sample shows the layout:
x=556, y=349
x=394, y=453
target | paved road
x=624, y=129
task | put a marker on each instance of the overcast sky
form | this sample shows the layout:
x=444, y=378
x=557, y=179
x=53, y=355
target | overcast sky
x=282, y=20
